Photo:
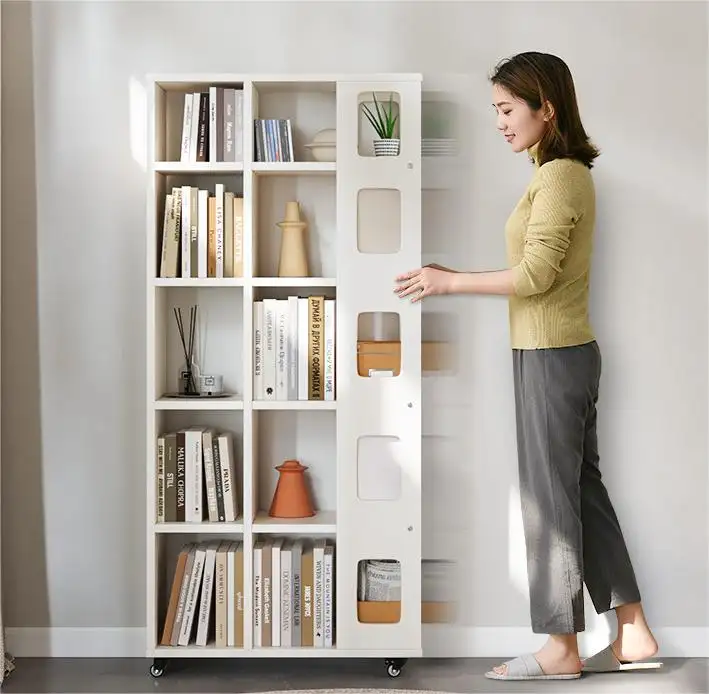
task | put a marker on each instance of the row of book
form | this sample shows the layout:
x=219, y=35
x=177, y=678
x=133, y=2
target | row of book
x=293, y=594
x=294, y=348
x=196, y=476
x=213, y=126
x=273, y=139
x=203, y=233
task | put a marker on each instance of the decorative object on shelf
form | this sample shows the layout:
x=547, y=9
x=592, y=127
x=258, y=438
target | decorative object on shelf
x=323, y=146
x=293, y=260
x=210, y=384
x=292, y=499
x=384, y=124
x=189, y=372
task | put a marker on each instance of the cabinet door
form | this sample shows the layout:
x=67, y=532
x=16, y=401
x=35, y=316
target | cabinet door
x=378, y=416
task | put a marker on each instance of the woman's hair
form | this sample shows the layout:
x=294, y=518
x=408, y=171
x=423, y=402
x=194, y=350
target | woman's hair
x=539, y=77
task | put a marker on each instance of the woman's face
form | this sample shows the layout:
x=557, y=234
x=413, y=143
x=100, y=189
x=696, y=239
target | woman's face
x=519, y=125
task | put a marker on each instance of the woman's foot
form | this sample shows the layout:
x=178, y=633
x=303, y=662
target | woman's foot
x=558, y=656
x=635, y=640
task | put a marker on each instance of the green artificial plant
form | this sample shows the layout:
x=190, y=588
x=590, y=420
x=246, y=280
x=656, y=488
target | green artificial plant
x=384, y=120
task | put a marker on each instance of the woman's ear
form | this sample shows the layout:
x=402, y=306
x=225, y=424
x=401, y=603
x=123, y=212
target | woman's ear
x=548, y=111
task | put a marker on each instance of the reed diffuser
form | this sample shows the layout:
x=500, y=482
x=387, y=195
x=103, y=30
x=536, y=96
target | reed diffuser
x=188, y=382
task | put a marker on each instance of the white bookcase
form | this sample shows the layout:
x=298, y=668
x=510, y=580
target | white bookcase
x=363, y=447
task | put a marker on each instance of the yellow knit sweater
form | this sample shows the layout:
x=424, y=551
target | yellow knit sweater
x=549, y=238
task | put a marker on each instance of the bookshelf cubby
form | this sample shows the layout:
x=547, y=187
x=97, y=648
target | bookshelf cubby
x=231, y=161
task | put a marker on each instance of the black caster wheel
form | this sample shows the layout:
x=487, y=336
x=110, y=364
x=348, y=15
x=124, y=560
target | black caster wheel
x=395, y=666
x=157, y=669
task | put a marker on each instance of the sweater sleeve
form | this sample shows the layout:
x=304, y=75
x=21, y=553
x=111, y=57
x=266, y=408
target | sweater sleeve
x=555, y=211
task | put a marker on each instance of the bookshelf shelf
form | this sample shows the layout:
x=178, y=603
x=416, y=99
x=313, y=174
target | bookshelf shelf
x=215, y=404
x=198, y=282
x=294, y=405
x=229, y=160
x=199, y=528
x=295, y=168
x=294, y=282
x=324, y=522
x=179, y=167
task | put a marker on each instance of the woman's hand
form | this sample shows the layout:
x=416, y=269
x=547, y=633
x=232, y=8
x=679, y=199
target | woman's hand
x=426, y=281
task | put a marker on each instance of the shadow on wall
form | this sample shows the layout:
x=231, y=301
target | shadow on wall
x=24, y=562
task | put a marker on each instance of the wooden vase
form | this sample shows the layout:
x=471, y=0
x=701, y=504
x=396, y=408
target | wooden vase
x=292, y=499
x=293, y=259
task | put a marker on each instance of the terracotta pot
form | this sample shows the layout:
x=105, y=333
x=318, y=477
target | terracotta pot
x=292, y=499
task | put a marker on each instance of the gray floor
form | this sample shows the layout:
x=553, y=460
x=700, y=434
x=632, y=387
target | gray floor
x=131, y=676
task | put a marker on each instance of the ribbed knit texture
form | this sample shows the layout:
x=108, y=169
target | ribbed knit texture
x=549, y=238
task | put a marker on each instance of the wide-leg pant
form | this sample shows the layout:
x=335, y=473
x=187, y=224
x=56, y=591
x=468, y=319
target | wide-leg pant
x=571, y=530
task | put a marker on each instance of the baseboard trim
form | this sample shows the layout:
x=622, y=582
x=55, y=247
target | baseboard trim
x=439, y=641
x=75, y=642
x=444, y=641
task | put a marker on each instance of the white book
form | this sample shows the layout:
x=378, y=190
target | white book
x=281, y=350
x=258, y=592
x=186, y=229
x=292, y=348
x=258, y=351
x=318, y=585
x=205, y=602
x=193, y=474
x=328, y=596
x=185, y=151
x=194, y=129
x=303, y=327
x=229, y=488
x=209, y=478
x=219, y=227
x=191, y=598
x=202, y=232
x=329, y=350
x=276, y=591
x=287, y=594
x=269, y=339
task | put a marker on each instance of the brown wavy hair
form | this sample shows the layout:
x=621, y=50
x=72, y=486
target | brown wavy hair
x=540, y=77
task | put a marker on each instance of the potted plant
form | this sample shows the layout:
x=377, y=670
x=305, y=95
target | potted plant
x=384, y=124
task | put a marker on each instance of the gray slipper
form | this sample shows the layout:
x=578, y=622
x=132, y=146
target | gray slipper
x=526, y=667
x=605, y=661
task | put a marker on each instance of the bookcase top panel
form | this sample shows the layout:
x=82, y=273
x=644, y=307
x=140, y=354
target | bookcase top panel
x=275, y=82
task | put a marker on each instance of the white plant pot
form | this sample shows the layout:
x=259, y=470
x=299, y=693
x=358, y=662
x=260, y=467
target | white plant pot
x=386, y=148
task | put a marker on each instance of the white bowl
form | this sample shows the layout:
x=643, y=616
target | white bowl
x=323, y=146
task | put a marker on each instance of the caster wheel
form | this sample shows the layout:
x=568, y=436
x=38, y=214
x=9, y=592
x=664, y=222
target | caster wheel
x=394, y=666
x=393, y=671
x=157, y=669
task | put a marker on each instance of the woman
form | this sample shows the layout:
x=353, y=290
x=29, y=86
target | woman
x=572, y=533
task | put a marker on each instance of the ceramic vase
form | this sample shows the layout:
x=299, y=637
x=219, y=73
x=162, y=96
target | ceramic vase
x=293, y=260
x=388, y=147
x=292, y=499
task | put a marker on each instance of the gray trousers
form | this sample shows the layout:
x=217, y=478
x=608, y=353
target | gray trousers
x=572, y=534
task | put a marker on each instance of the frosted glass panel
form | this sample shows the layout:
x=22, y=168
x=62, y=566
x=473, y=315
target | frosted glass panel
x=379, y=220
x=378, y=468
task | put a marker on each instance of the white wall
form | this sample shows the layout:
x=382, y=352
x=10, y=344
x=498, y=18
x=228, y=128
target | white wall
x=73, y=291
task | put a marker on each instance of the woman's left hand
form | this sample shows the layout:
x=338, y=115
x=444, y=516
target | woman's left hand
x=426, y=281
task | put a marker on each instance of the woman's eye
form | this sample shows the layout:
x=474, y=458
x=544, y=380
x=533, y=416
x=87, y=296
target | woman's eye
x=507, y=113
